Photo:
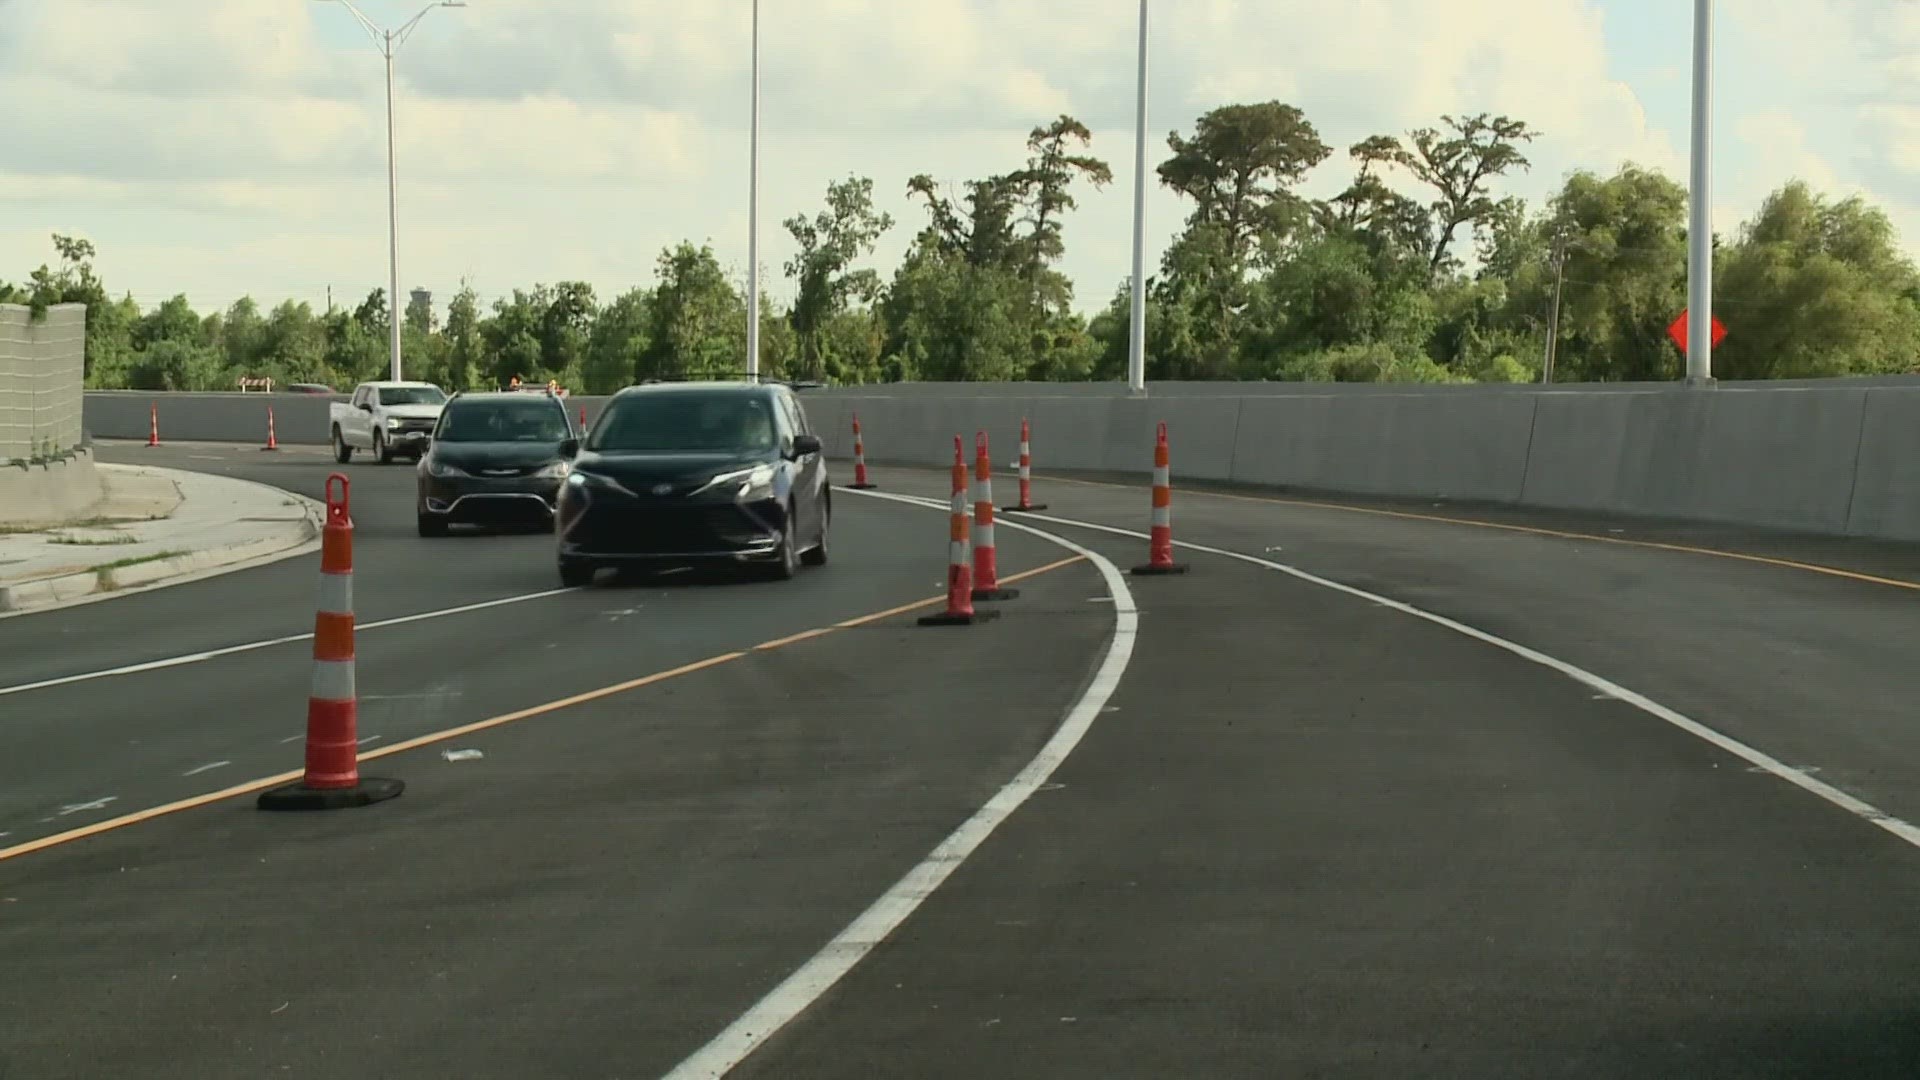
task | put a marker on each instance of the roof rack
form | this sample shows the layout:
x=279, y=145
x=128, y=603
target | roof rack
x=724, y=376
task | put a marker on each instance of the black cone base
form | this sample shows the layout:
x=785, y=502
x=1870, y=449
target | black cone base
x=1151, y=570
x=995, y=594
x=947, y=618
x=1028, y=509
x=298, y=796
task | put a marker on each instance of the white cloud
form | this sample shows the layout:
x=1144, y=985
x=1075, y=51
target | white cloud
x=242, y=148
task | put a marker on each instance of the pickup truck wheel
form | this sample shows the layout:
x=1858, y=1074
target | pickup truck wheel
x=381, y=452
x=342, y=453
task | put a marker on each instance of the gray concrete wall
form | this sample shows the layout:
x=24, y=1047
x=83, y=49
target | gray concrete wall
x=49, y=492
x=1838, y=456
x=42, y=371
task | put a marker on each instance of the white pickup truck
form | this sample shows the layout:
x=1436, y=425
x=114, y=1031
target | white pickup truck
x=392, y=419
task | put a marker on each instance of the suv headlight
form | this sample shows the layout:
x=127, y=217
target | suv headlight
x=436, y=467
x=753, y=484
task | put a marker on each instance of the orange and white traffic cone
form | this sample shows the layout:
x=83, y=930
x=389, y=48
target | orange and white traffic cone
x=860, y=482
x=1160, y=543
x=273, y=442
x=332, y=779
x=583, y=419
x=1027, y=505
x=960, y=610
x=153, y=424
x=986, y=574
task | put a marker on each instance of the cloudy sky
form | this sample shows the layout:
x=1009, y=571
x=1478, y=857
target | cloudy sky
x=223, y=147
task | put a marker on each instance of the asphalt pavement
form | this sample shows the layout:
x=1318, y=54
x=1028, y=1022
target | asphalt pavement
x=1310, y=835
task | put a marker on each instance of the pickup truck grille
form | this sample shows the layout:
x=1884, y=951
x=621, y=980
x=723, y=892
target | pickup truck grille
x=411, y=426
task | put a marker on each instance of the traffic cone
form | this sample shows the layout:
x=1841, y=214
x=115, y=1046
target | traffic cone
x=1027, y=505
x=273, y=443
x=960, y=610
x=986, y=576
x=332, y=779
x=1160, y=544
x=153, y=424
x=583, y=419
x=860, y=482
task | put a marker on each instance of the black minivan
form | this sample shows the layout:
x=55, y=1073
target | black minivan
x=495, y=459
x=695, y=472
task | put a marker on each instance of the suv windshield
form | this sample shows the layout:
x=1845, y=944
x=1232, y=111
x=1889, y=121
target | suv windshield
x=687, y=422
x=411, y=395
x=534, y=421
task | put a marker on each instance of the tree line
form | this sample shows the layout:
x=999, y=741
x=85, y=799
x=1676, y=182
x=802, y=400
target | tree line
x=1453, y=283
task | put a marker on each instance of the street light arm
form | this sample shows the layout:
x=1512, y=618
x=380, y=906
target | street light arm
x=379, y=36
x=401, y=35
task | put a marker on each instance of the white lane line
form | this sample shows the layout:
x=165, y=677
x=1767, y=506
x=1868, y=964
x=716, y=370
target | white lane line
x=370, y=739
x=814, y=978
x=251, y=646
x=293, y=738
x=1764, y=762
x=96, y=804
x=207, y=768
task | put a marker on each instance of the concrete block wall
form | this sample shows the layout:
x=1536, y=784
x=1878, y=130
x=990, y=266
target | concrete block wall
x=42, y=375
x=1840, y=457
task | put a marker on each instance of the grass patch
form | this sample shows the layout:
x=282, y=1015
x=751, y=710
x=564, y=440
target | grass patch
x=87, y=541
x=103, y=574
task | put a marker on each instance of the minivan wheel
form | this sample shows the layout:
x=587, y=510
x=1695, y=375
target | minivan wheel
x=576, y=573
x=817, y=556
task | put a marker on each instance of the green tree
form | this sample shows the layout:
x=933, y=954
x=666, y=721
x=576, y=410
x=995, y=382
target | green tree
x=1047, y=182
x=465, y=348
x=697, y=322
x=824, y=283
x=617, y=343
x=1460, y=164
x=1816, y=288
x=1625, y=274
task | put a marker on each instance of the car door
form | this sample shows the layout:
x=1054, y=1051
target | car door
x=811, y=469
x=357, y=426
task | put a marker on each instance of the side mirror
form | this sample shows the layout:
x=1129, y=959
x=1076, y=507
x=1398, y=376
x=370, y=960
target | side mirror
x=569, y=448
x=366, y=406
x=805, y=444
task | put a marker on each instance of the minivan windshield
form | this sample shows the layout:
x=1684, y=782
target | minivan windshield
x=534, y=421
x=686, y=422
x=412, y=395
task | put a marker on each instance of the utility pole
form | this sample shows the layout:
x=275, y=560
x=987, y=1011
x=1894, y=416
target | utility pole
x=753, y=214
x=1137, y=319
x=389, y=42
x=1700, y=204
x=1553, y=318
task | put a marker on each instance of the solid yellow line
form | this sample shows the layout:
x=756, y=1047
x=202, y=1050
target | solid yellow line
x=251, y=786
x=1561, y=534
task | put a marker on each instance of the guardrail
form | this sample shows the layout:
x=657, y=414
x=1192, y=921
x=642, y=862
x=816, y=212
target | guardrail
x=1840, y=457
x=42, y=372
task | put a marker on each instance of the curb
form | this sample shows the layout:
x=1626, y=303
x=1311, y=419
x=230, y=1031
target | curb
x=295, y=538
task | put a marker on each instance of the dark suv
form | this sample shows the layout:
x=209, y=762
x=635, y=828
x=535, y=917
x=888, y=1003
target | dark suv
x=680, y=473
x=495, y=459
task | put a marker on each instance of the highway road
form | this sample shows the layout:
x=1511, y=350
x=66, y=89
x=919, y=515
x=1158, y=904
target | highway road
x=1367, y=793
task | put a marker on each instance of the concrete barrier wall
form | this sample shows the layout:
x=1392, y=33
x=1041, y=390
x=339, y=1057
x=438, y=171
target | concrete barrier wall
x=1839, y=457
x=49, y=492
x=42, y=371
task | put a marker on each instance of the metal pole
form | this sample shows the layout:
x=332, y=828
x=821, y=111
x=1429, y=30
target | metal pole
x=753, y=215
x=1553, y=319
x=393, y=233
x=1700, y=202
x=1137, y=336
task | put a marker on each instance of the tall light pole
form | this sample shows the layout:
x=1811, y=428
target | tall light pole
x=1137, y=321
x=753, y=214
x=1700, y=204
x=389, y=42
